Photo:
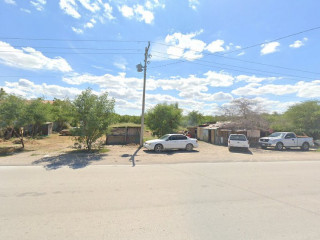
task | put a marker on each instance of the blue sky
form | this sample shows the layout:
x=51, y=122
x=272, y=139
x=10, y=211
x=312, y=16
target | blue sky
x=55, y=49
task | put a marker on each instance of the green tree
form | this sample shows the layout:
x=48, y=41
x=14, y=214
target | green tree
x=12, y=109
x=37, y=113
x=164, y=118
x=2, y=94
x=305, y=118
x=62, y=112
x=194, y=118
x=95, y=114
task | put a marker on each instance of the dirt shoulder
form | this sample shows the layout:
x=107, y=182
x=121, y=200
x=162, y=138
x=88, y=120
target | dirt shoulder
x=57, y=151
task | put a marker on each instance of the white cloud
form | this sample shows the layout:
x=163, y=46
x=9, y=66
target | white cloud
x=108, y=11
x=301, y=89
x=269, y=48
x=126, y=11
x=31, y=59
x=194, y=4
x=308, y=89
x=12, y=2
x=121, y=63
x=256, y=89
x=70, y=8
x=77, y=30
x=25, y=10
x=142, y=14
x=215, y=46
x=89, y=24
x=185, y=46
x=298, y=43
x=219, y=79
x=151, y=4
x=255, y=79
x=28, y=89
x=91, y=5
x=38, y=4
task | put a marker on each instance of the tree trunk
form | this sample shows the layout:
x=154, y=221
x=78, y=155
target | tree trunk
x=20, y=135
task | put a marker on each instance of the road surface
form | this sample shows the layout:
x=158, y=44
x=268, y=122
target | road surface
x=276, y=200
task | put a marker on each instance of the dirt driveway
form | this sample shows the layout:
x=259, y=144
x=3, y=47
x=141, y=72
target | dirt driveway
x=132, y=154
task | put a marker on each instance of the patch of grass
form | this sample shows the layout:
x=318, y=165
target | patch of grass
x=149, y=138
x=126, y=125
x=318, y=150
x=7, y=151
x=104, y=150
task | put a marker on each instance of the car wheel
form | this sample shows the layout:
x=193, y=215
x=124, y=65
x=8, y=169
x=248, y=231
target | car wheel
x=158, y=148
x=189, y=147
x=279, y=146
x=305, y=146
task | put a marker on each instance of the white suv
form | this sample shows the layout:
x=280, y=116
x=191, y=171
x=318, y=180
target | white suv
x=238, y=141
x=171, y=141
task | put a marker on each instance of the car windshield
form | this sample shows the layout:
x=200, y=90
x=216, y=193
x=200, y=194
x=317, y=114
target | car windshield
x=238, y=137
x=164, y=137
x=276, y=134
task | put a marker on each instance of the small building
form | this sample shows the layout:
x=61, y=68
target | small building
x=123, y=136
x=46, y=128
x=193, y=131
x=219, y=133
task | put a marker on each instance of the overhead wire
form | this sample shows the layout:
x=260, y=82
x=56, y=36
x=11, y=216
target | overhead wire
x=232, y=69
x=254, y=45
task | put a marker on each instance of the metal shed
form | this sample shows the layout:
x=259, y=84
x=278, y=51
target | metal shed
x=123, y=135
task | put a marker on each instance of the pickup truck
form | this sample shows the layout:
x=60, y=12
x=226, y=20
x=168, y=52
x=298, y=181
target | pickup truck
x=280, y=140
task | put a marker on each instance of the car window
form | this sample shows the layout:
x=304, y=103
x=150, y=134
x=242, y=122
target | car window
x=181, y=137
x=173, y=137
x=290, y=135
x=238, y=137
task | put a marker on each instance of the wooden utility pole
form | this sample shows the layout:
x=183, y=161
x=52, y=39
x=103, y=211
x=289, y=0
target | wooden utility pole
x=146, y=56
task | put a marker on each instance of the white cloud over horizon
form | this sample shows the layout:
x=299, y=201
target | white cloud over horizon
x=31, y=59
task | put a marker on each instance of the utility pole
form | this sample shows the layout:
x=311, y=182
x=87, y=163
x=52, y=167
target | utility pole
x=139, y=69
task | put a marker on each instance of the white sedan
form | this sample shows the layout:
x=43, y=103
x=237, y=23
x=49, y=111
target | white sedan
x=238, y=141
x=171, y=141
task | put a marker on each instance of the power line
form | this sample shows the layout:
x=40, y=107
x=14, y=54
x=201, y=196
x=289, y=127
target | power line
x=258, y=70
x=251, y=46
x=76, y=48
x=70, y=40
x=79, y=53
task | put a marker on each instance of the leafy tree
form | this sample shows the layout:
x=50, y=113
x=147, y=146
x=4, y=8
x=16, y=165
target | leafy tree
x=95, y=114
x=11, y=114
x=194, y=118
x=305, y=118
x=2, y=94
x=62, y=112
x=164, y=118
x=36, y=114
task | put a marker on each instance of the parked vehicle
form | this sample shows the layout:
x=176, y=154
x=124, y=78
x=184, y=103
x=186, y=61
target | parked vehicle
x=280, y=140
x=171, y=141
x=238, y=141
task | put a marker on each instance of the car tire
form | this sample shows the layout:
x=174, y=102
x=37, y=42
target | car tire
x=158, y=148
x=189, y=147
x=279, y=146
x=305, y=146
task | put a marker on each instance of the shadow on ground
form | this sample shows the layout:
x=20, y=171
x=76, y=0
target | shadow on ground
x=170, y=152
x=240, y=150
x=132, y=156
x=72, y=160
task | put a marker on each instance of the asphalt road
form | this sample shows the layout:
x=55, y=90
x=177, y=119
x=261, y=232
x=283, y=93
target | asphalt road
x=276, y=200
